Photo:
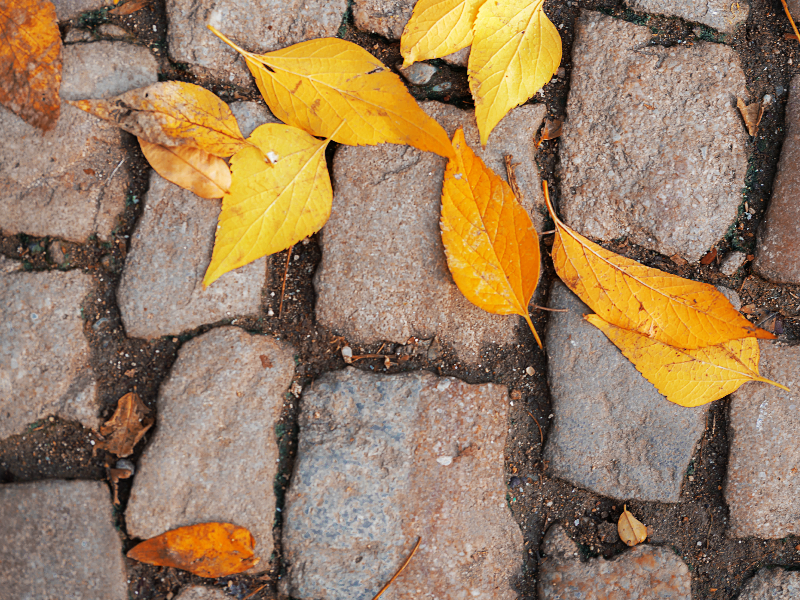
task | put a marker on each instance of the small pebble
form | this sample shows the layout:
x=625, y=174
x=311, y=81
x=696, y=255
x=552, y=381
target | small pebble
x=445, y=460
x=530, y=371
x=347, y=354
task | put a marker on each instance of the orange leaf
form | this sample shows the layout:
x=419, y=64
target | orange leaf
x=30, y=61
x=491, y=245
x=193, y=169
x=673, y=310
x=206, y=549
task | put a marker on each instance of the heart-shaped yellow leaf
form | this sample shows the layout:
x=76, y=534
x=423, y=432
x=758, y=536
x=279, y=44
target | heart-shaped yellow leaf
x=491, y=245
x=335, y=89
x=438, y=28
x=191, y=168
x=280, y=193
x=631, y=531
x=515, y=52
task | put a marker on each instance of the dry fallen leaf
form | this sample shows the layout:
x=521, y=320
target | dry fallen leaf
x=271, y=206
x=335, y=89
x=709, y=257
x=206, y=549
x=551, y=130
x=438, y=28
x=631, y=531
x=172, y=113
x=677, y=311
x=516, y=51
x=751, y=113
x=114, y=476
x=30, y=61
x=129, y=7
x=688, y=377
x=127, y=425
x=193, y=169
x=491, y=245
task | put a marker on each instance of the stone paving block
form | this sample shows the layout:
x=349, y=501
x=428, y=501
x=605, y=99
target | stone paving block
x=256, y=25
x=384, y=17
x=44, y=356
x=772, y=584
x=653, y=146
x=199, y=592
x=161, y=291
x=106, y=69
x=778, y=253
x=385, y=459
x=250, y=115
x=613, y=433
x=718, y=14
x=383, y=274
x=214, y=456
x=57, y=540
x=72, y=9
x=642, y=573
x=763, y=485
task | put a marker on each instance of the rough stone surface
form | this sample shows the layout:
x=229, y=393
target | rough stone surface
x=106, y=69
x=643, y=573
x=161, y=291
x=763, y=486
x=719, y=14
x=778, y=253
x=199, y=592
x=459, y=59
x=256, y=25
x=418, y=73
x=44, y=356
x=772, y=584
x=385, y=459
x=383, y=274
x=216, y=416
x=653, y=146
x=57, y=540
x=250, y=115
x=613, y=433
x=384, y=17
x=732, y=262
x=72, y=9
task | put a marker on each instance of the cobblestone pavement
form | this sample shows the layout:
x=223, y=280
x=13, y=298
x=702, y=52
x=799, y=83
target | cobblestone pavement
x=512, y=466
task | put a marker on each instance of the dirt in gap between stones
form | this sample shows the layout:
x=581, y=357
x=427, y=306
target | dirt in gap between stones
x=695, y=529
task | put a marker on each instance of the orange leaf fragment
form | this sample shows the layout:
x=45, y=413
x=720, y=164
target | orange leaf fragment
x=491, y=245
x=30, y=61
x=129, y=7
x=751, y=113
x=551, y=129
x=631, y=530
x=127, y=425
x=206, y=549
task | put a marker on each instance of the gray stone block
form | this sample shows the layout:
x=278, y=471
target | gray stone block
x=251, y=115
x=106, y=69
x=772, y=584
x=384, y=17
x=718, y=14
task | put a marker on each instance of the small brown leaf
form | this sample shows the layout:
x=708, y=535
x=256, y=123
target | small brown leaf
x=114, y=475
x=129, y=7
x=751, y=113
x=679, y=260
x=551, y=130
x=709, y=257
x=631, y=531
x=126, y=427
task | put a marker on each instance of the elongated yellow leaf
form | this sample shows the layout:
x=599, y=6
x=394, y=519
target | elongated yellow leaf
x=335, y=89
x=677, y=311
x=438, y=28
x=688, y=377
x=273, y=203
x=172, y=113
x=515, y=52
x=191, y=168
x=491, y=245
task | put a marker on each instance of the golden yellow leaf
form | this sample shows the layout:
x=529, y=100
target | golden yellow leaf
x=206, y=549
x=191, y=168
x=515, y=52
x=491, y=245
x=30, y=61
x=271, y=205
x=688, y=377
x=631, y=531
x=438, y=28
x=335, y=89
x=677, y=311
x=172, y=113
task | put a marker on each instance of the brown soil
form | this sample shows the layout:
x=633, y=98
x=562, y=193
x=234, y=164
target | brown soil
x=695, y=528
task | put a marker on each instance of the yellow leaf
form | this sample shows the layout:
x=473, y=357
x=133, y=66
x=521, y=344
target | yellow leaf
x=688, y=377
x=335, y=89
x=491, y=245
x=172, y=113
x=515, y=52
x=631, y=531
x=271, y=205
x=438, y=28
x=677, y=311
x=206, y=549
x=191, y=168
x=30, y=61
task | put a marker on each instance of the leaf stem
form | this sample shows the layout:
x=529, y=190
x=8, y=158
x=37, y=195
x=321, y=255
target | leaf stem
x=400, y=570
x=769, y=381
x=533, y=329
x=791, y=20
x=225, y=39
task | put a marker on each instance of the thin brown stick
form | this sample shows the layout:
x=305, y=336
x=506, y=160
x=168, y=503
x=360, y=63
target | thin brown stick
x=512, y=177
x=550, y=309
x=541, y=435
x=285, y=273
x=791, y=20
x=400, y=570
x=251, y=594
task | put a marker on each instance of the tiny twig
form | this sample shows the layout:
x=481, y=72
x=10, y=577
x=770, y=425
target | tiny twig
x=550, y=309
x=541, y=435
x=791, y=20
x=512, y=178
x=548, y=232
x=285, y=273
x=359, y=357
x=251, y=594
x=400, y=570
